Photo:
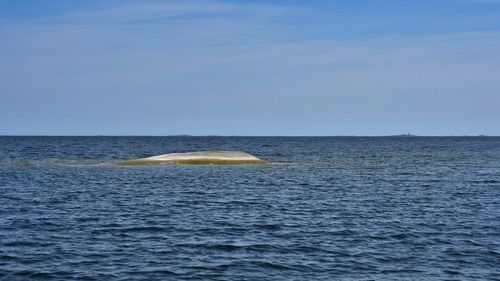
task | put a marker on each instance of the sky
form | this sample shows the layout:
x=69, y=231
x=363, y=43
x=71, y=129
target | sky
x=219, y=67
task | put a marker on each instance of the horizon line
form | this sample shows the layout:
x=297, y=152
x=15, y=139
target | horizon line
x=289, y=136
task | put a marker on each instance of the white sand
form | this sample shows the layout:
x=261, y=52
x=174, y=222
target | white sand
x=200, y=157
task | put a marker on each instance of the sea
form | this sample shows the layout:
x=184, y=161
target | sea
x=321, y=208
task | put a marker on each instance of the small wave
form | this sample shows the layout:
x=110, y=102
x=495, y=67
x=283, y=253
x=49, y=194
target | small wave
x=273, y=226
x=452, y=272
x=160, y=271
x=272, y=265
x=24, y=244
x=258, y=248
x=7, y=258
x=126, y=231
x=144, y=229
x=38, y=275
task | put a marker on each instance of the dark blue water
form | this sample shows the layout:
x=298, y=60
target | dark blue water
x=335, y=208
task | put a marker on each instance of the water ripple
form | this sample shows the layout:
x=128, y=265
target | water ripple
x=324, y=209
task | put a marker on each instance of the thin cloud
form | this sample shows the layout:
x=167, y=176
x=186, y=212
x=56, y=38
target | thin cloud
x=220, y=59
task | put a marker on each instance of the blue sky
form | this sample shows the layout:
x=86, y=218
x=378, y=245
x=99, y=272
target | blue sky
x=365, y=67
